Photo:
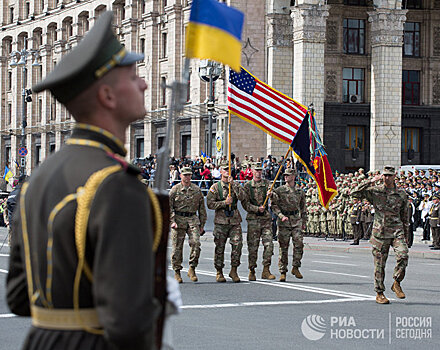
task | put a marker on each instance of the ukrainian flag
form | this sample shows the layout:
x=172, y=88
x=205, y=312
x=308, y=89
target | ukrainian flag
x=203, y=156
x=214, y=32
x=8, y=174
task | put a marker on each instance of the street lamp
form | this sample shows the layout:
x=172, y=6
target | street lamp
x=210, y=71
x=25, y=93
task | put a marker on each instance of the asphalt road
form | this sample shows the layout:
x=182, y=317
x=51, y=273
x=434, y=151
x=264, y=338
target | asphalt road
x=333, y=307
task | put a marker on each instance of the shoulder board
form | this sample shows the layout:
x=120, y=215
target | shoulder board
x=128, y=167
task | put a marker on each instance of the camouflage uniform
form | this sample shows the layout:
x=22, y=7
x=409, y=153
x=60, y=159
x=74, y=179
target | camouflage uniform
x=390, y=223
x=259, y=226
x=287, y=201
x=226, y=227
x=185, y=203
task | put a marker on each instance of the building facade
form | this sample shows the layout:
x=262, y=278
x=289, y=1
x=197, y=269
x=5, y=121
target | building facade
x=372, y=72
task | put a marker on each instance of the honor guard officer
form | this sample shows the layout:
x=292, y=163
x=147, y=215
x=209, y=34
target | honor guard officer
x=259, y=223
x=81, y=262
x=434, y=221
x=188, y=216
x=288, y=204
x=227, y=222
x=391, y=222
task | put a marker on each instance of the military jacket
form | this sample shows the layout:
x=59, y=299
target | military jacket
x=434, y=215
x=355, y=215
x=118, y=249
x=216, y=200
x=390, y=204
x=287, y=200
x=188, y=200
x=255, y=195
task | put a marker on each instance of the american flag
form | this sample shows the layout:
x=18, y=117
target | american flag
x=261, y=105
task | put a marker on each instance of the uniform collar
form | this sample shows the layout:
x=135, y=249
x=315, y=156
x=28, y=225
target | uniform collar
x=91, y=132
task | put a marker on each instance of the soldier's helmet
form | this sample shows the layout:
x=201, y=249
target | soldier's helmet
x=389, y=170
x=186, y=171
x=257, y=166
x=289, y=171
x=224, y=166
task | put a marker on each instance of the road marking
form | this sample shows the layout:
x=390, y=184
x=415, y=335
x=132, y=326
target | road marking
x=333, y=256
x=4, y=254
x=340, y=273
x=212, y=259
x=431, y=264
x=333, y=263
x=302, y=287
x=4, y=271
x=272, y=303
x=7, y=315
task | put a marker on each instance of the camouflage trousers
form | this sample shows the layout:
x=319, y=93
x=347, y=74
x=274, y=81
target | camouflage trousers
x=259, y=229
x=381, y=247
x=221, y=234
x=178, y=238
x=284, y=235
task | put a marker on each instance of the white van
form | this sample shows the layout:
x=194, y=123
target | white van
x=411, y=168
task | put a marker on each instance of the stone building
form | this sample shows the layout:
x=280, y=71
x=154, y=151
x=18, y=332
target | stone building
x=372, y=72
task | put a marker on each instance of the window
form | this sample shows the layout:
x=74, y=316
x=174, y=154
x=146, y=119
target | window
x=163, y=53
x=354, y=36
x=53, y=109
x=37, y=155
x=142, y=46
x=411, y=43
x=139, y=147
x=185, y=145
x=28, y=10
x=411, y=87
x=8, y=155
x=353, y=84
x=188, y=89
x=9, y=113
x=160, y=140
x=412, y=4
x=164, y=91
x=355, y=2
x=40, y=110
x=9, y=80
x=410, y=139
x=354, y=137
x=51, y=147
x=11, y=14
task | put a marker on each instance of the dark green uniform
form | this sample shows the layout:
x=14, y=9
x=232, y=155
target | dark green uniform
x=116, y=285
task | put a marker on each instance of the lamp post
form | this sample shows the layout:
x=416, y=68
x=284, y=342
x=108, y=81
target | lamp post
x=25, y=93
x=210, y=71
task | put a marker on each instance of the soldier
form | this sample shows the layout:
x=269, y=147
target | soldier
x=435, y=222
x=81, y=263
x=390, y=225
x=186, y=201
x=227, y=221
x=259, y=223
x=288, y=204
x=355, y=217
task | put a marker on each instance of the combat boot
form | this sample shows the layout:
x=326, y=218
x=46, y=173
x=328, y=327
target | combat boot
x=233, y=274
x=283, y=277
x=192, y=274
x=177, y=276
x=381, y=299
x=220, y=277
x=296, y=273
x=266, y=274
x=398, y=290
x=252, y=275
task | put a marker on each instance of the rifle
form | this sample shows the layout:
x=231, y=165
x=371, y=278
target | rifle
x=178, y=90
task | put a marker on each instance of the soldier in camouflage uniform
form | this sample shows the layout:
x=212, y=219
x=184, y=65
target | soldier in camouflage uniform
x=259, y=223
x=227, y=221
x=355, y=217
x=186, y=201
x=288, y=204
x=390, y=225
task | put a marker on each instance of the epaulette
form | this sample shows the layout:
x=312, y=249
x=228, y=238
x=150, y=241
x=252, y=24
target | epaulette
x=128, y=167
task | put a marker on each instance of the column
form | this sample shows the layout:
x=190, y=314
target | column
x=279, y=59
x=386, y=86
x=309, y=28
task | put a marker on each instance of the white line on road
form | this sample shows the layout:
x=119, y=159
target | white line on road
x=431, y=264
x=340, y=273
x=333, y=256
x=333, y=263
x=7, y=315
x=272, y=303
x=4, y=271
x=302, y=288
x=4, y=254
x=225, y=260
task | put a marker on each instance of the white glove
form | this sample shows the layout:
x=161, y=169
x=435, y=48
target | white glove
x=174, y=296
x=357, y=222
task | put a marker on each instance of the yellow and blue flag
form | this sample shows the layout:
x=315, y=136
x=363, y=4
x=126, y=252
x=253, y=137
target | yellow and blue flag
x=214, y=32
x=203, y=156
x=8, y=174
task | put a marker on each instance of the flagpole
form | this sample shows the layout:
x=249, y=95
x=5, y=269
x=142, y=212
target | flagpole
x=229, y=150
x=276, y=177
